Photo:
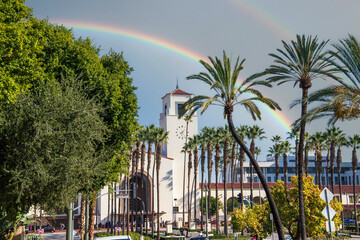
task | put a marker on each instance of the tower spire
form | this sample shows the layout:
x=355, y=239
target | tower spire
x=177, y=83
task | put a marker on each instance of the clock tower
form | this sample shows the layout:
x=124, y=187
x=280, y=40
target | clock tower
x=179, y=131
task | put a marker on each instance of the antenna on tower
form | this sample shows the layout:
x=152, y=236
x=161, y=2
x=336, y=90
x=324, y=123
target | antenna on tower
x=177, y=83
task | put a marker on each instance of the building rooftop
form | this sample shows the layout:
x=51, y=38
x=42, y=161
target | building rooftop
x=177, y=92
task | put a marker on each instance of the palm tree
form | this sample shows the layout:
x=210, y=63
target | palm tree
x=285, y=148
x=317, y=140
x=195, y=146
x=150, y=133
x=341, y=141
x=217, y=138
x=202, y=157
x=253, y=132
x=307, y=148
x=221, y=79
x=242, y=132
x=226, y=135
x=161, y=138
x=143, y=138
x=233, y=164
x=333, y=135
x=294, y=134
x=354, y=143
x=276, y=150
x=188, y=148
x=301, y=63
x=340, y=101
x=187, y=119
x=208, y=134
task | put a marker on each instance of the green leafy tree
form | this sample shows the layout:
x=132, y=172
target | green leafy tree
x=256, y=220
x=212, y=205
x=222, y=80
x=231, y=204
x=288, y=201
x=52, y=147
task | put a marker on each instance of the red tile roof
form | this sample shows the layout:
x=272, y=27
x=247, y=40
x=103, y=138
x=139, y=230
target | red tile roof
x=177, y=92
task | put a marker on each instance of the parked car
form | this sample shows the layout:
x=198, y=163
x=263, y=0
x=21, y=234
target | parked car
x=349, y=221
x=49, y=229
x=121, y=237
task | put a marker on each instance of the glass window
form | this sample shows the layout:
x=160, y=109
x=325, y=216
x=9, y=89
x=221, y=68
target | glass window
x=178, y=107
x=269, y=179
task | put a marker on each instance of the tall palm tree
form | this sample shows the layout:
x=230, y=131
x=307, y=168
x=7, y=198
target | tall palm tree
x=294, y=134
x=253, y=133
x=217, y=138
x=276, y=150
x=242, y=132
x=307, y=148
x=341, y=141
x=222, y=79
x=195, y=146
x=188, y=148
x=187, y=119
x=285, y=148
x=150, y=133
x=333, y=134
x=226, y=135
x=340, y=101
x=327, y=147
x=208, y=134
x=202, y=162
x=233, y=164
x=161, y=138
x=301, y=62
x=143, y=138
x=317, y=140
x=354, y=143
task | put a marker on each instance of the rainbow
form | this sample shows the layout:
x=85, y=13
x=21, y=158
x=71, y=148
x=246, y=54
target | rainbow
x=193, y=56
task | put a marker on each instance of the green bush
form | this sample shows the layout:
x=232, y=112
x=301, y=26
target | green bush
x=133, y=235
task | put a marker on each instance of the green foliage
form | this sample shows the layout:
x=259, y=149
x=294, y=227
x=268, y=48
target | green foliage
x=229, y=204
x=287, y=201
x=10, y=220
x=256, y=220
x=133, y=235
x=51, y=146
x=212, y=210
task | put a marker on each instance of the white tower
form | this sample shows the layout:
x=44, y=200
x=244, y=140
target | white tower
x=169, y=120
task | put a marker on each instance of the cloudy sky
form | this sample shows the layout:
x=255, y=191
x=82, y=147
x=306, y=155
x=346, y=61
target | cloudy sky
x=163, y=41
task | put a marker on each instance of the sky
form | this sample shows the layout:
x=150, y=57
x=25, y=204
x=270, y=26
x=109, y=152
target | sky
x=164, y=40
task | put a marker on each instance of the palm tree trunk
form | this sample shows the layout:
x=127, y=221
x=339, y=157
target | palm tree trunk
x=276, y=167
x=339, y=160
x=296, y=156
x=272, y=204
x=354, y=167
x=217, y=161
x=202, y=184
x=306, y=160
x=92, y=215
x=187, y=127
x=158, y=162
x=285, y=169
x=153, y=198
x=82, y=217
x=226, y=158
x=241, y=161
x=210, y=165
x=233, y=153
x=301, y=163
x=196, y=163
x=327, y=167
x=189, y=200
x=143, y=192
x=332, y=163
x=147, y=202
x=252, y=150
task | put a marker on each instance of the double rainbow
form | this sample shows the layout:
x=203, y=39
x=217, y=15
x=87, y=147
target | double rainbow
x=191, y=55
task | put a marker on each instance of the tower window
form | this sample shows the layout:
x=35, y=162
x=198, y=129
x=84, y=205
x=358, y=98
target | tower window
x=179, y=107
x=165, y=109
